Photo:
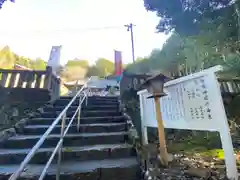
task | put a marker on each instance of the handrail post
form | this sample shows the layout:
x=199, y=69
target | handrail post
x=60, y=149
x=87, y=94
x=79, y=113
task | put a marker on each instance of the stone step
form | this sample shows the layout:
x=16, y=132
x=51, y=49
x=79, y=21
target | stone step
x=92, y=107
x=81, y=139
x=84, y=120
x=83, y=114
x=114, y=169
x=96, y=152
x=84, y=128
x=89, y=102
x=93, y=97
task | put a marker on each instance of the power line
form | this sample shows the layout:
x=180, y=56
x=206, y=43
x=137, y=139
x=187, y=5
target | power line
x=89, y=29
x=65, y=30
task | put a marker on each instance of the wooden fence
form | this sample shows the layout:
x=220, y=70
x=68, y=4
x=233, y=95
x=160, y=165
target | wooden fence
x=231, y=86
x=227, y=85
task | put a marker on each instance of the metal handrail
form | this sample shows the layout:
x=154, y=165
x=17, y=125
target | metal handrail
x=62, y=116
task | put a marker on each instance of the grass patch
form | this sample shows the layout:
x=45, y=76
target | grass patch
x=190, y=149
x=206, y=146
x=214, y=153
x=201, y=141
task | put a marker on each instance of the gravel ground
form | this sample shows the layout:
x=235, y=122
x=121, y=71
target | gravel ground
x=190, y=167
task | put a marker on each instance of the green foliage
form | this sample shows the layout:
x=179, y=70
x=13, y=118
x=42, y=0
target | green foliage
x=141, y=65
x=8, y=59
x=78, y=69
x=39, y=64
x=215, y=43
x=72, y=73
x=199, y=141
x=182, y=55
x=184, y=16
x=104, y=66
x=74, y=69
x=204, y=34
x=77, y=62
x=93, y=71
x=101, y=68
x=169, y=59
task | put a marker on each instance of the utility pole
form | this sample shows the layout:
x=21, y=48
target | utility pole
x=130, y=28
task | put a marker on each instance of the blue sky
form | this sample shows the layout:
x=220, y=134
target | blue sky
x=31, y=27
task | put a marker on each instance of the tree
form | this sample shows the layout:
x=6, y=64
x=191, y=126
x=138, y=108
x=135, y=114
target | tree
x=141, y=65
x=7, y=58
x=104, y=66
x=77, y=62
x=185, y=16
x=39, y=64
x=75, y=69
x=203, y=34
x=93, y=71
x=169, y=59
x=3, y=1
x=73, y=73
x=21, y=60
x=179, y=56
x=209, y=29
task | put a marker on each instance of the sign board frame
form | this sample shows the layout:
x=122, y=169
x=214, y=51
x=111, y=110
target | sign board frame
x=192, y=102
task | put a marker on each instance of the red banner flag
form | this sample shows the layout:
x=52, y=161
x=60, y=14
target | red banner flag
x=118, y=62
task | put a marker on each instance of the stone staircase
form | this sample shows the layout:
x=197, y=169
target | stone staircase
x=98, y=152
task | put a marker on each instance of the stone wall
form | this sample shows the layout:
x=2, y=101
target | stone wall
x=14, y=107
x=15, y=111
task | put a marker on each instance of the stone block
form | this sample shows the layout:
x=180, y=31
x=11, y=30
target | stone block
x=6, y=134
x=20, y=125
x=198, y=172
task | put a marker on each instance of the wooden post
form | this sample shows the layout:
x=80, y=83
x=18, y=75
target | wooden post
x=161, y=134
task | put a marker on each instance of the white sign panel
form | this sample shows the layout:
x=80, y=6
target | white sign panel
x=192, y=102
x=54, y=59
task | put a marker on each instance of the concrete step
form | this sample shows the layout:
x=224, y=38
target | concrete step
x=81, y=139
x=84, y=120
x=85, y=153
x=114, y=169
x=92, y=107
x=83, y=114
x=89, y=102
x=84, y=128
x=93, y=97
x=101, y=100
x=98, y=152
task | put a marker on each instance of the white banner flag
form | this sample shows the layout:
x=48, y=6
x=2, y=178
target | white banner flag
x=54, y=59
